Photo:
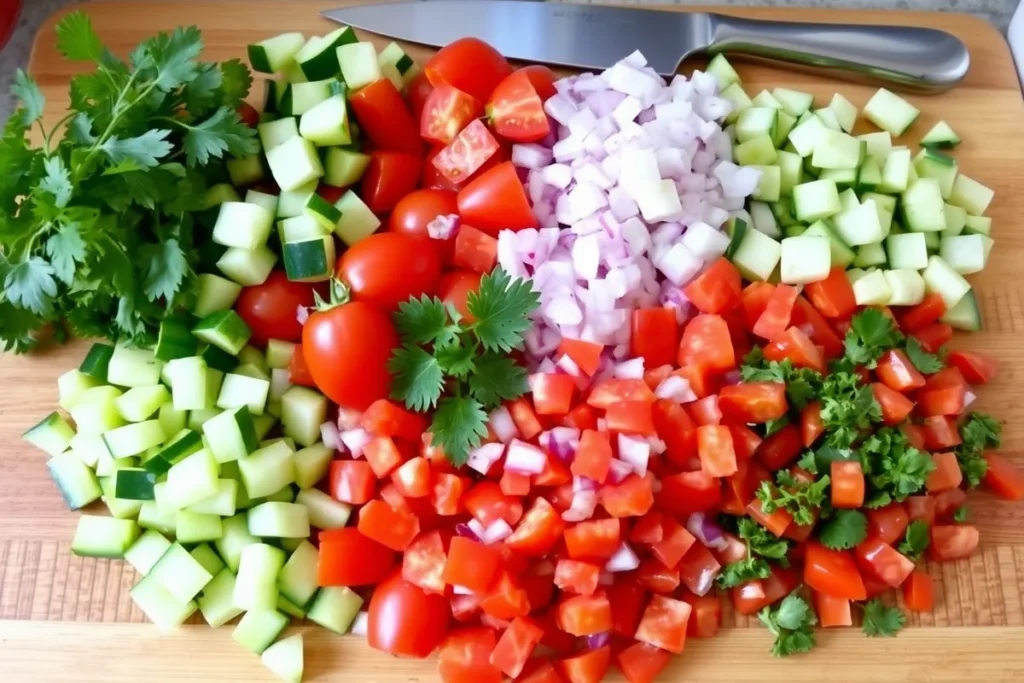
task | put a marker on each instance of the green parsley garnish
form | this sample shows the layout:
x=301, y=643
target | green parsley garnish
x=846, y=529
x=979, y=432
x=802, y=384
x=792, y=623
x=462, y=369
x=893, y=467
x=799, y=499
x=915, y=540
x=871, y=334
x=740, y=572
x=99, y=223
x=880, y=620
x=925, y=362
x=847, y=408
x=762, y=542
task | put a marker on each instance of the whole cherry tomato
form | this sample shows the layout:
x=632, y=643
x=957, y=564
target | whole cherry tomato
x=405, y=620
x=387, y=268
x=270, y=310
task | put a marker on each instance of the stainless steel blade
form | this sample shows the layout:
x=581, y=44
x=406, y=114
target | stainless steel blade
x=586, y=36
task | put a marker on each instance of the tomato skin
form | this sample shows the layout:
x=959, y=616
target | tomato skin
x=347, y=349
x=706, y=617
x=934, y=336
x=431, y=178
x=947, y=473
x=486, y=502
x=348, y=558
x=749, y=597
x=698, y=569
x=655, y=336
x=352, y=481
x=386, y=418
x=1005, y=480
x=496, y=200
x=445, y=112
x=776, y=522
x=552, y=393
x=470, y=564
x=406, y=620
x=811, y=426
x=516, y=107
x=847, y=484
x=539, y=671
x=832, y=611
x=919, y=592
x=953, y=542
x=976, y=368
x=414, y=212
x=780, y=449
x=676, y=429
x=753, y=401
x=246, y=112
x=593, y=539
x=389, y=177
x=584, y=615
x=775, y=318
x=515, y=646
x=298, y=369
x=383, y=117
x=469, y=64
x=465, y=656
x=888, y=524
x=924, y=314
x=832, y=572
x=688, y=492
x=473, y=147
x=631, y=497
x=627, y=599
x=610, y=391
x=417, y=92
x=881, y=560
x=573, y=576
x=391, y=527
x=664, y=624
x=538, y=531
x=385, y=269
x=833, y=296
x=898, y=373
x=455, y=286
x=795, y=345
x=475, y=250
x=706, y=342
x=821, y=332
x=715, y=447
x=895, y=406
x=270, y=309
x=641, y=663
x=587, y=667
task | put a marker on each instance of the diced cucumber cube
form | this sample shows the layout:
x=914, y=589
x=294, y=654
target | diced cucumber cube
x=859, y=225
x=303, y=410
x=869, y=255
x=279, y=520
x=941, y=136
x=298, y=578
x=141, y=403
x=907, y=287
x=879, y=145
x=890, y=112
x=213, y=294
x=259, y=628
x=719, y=67
x=247, y=267
x=334, y=608
x=151, y=517
x=756, y=122
x=216, y=603
x=273, y=54
x=53, y=434
x=242, y=225
x=793, y=101
x=245, y=170
x=133, y=367
x=162, y=608
x=291, y=204
x=97, y=361
x=971, y=195
x=104, y=536
x=837, y=150
x=764, y=220
x=75, y=481
x=309, y=260
x=324, y=511
x=319, y=59
x=256, y=583
x=896, y=171
x=739, y=100
x=221, y=503
x=806, y=135
x=208, y=559
x=907, y=251
x=267, y=201
x=268, y=469
x=146, y=551
x=284, y=659
x=344, y=167
x=196, y=527
x=311, y=465
x=757, y=255
x=71, y=385
x=294, y=163
x=872, y=289
x=966, y=315
x=192, y=480
x=231, y=435
x=326, y=123
x=279, y=353
x=965, y=254
x=273, y=133
x=134, y=438
x=357, y=221
x=816, y=200
x=941, y=278
x=841, y=253
x=923, y=208
x=302, y=227
x=134, y=483
x=89, y=448
x=179, y=573
x=359, y=65
x=766, y=99
x=235, y=539
x=805, y=259
x=239, y=390
x=845, y=112
x=829, y=118
x=757, y=150
x=225, y=330
x=769, y=187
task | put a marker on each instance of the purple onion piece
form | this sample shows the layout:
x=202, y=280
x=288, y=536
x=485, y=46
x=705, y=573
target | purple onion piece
x=598, y=640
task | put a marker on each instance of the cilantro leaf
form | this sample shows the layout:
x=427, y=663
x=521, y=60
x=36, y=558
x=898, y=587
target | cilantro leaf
x=77, y=40
x=502, y=308
x=456, y=358
x=202, y=93
x=80, y=130
x=892, y=465
x=421, y=321
x=166, y=269
x=458, y=426
x=417, y=379
x=978, y=433
x=144, y=150
x=915, y=540
x=845, y=530
x=802, y=384
x=222, y=133
x=773, y=426
x=65, y=248
x=800, y=499
x=960, y=514
x=760, y=541
x=740, y=572
x=172, y=56
x=32, y=101
x=880, y=620
x=30, y=285
x=497, y=378
x=57, y=181
x=847, y=408
x=871, y=334
x=922, y=360
x=791, y=622
x=236, y=80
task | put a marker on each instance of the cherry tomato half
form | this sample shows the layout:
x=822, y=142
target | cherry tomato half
x=469, y=64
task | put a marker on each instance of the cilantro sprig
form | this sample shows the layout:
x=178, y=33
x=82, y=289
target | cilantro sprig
x=98, y=224
x=871, y=334
x=882, y=620
x=848, y=407
x=978, y=432
x=460, y=368
x=792, y=623
x=893, y=467
x=800, y=499
x=915, y=540
x=802, y=384
x=846, y=529
x=762, y=542
x=742, y=571
x=925, y=362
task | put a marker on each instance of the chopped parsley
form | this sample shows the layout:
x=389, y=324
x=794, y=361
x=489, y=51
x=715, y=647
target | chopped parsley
x=979, y=432
x=893, y=467
x=871, y=334
x=792, y=623
x=800, y=499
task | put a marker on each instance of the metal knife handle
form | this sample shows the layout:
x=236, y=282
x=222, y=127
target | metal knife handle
x=921, y=59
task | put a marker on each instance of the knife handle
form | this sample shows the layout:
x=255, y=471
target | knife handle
x=920, y=59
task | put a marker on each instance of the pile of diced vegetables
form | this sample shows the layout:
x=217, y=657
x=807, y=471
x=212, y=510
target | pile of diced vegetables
x=578, y=422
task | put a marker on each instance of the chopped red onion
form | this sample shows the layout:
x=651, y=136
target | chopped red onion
x=524, y=458
x=483, y=457
x=561, y=108
x=443, y=227
x=635, y=452
x=583, y=484
x=598, y=640
x=624, y=560
x=630, y=369
x=348, y=418
x=675, y=388
x=618, y=470
x=477, y=527
x=657, y=445
x=969, y=398
x=461, y=590
x=361, y=624
x=502, y=424
x=463, y=529
x=568, y=366
x=582, y=508
x=702, y=584
x=355, y=440
x=330, y=435
x=497, y=532
x=531, y=156
x=302, y=314
x=706, y=530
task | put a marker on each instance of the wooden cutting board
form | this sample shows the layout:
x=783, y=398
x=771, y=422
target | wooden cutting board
x=64, y=618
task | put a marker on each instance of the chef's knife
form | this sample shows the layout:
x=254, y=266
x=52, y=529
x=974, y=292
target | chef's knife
x=597, y=36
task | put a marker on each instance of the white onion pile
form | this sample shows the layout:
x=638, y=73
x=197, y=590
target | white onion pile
x=631, y=198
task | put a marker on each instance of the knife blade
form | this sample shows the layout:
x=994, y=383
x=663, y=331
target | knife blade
x=597, y=36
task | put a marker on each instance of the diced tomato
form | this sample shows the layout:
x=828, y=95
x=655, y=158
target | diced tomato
x=735, y=549
x=648, y=529
x=753, y=401
x=424, y=562
x=797, y=347
x=888, y=523
x=387, y=418
x=610, y=391
x=446, y=494
x=933, y=337
x=923, y=314
x=540, y=590
x=755, y=300
x=919, y=592
x=940, y=432
x=298, y=371
x=584, y=615
x=540, y=671
x=745, y=441
x=587, y=667
x=384, y=118
x=655, y=376
x=847, y=484
x=698, y=569
x=627, y=599
x=539, y=530
x=352, y=481
x=947, y=502
x=525, y=418
x=555, y=473
x=706, y=615
x=552, y=393
x=947, y=473
x=706, y=411
x=593, y=456
x=465, y=607
x=664, y=624
x=470, y=564
x=655, y=336
x=348, y=558
x=631, y=497
x=514, y=483
x=738, y=489
x=595, y=539
x=464, y=656
x=833, y=296
x=915, y=435
x=717, y=456
x=780, y=583
x=832, y=611
x=475, y=250
x=383, y=456
x=976, y=368
x=412, y=478
x=467, y=153
x=953, y=542
x=821, y=331
x=389, y=494
x=688, y=492
x=780, y=449
x=554, y=637
x=586, y=355
x=486, y=502
x=631, y=417
x=1005, y=480
x=656, y=577
x=676, y=429
x=469, y=64
x=833, y=572
x=506, y=599
x=702, y=382
x=445, y=112
x=394, y=528
x=496, y=200
x=389, y=177
x=776, y=316
x=895, y=406
x=717, y=289
x=581, y=417
x=706, y=342
x=515, y=646
x=947, y=400
x=516, y=107
x=574, y=576
x=877, y=558
x=675, y=543
x=641, y=663
x=776, y=522
x=811, y=426
x=898, y=373
x=749, y=597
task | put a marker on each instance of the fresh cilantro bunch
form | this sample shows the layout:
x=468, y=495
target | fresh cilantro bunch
x=893, y=467
x=871, y=334
x=462, y=369
x=881, y=620
x=799, y=499
x=97, y=225
x=848, y=407
x=979, y=432
x=915, y=540
x=792, y=623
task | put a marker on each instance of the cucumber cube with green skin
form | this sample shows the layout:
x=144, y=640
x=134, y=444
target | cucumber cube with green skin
x=216, y=601
x=273, y=54
x=309, y=260
x=141, y=403
x=304, y=227
x=247, y=267
x=359, y=65
x=335, y=608
x=284, y=659
x=76, y=482
x=231, y=435
x=225, y=330
x=236, y=538
x=719, y=67
x=192, y=480
x=941, y=136
x=162, y=608
x=71, y=385
x=53, y=434
x=258, y=629
x=279, y=520
x=95, y=412
x=890, y=112
x=97, y=361
x=297, y=580
x=134, y=438
x=878, y=145
x=279, y=353
x=319, y=60
x=104, y=536
x=357, y=221
x=134, y=483
x=966, y=315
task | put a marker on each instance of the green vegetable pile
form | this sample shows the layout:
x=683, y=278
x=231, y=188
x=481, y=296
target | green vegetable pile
x=99, y=224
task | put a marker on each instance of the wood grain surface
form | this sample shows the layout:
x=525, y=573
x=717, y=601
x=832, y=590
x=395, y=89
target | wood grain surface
x=64, y=618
